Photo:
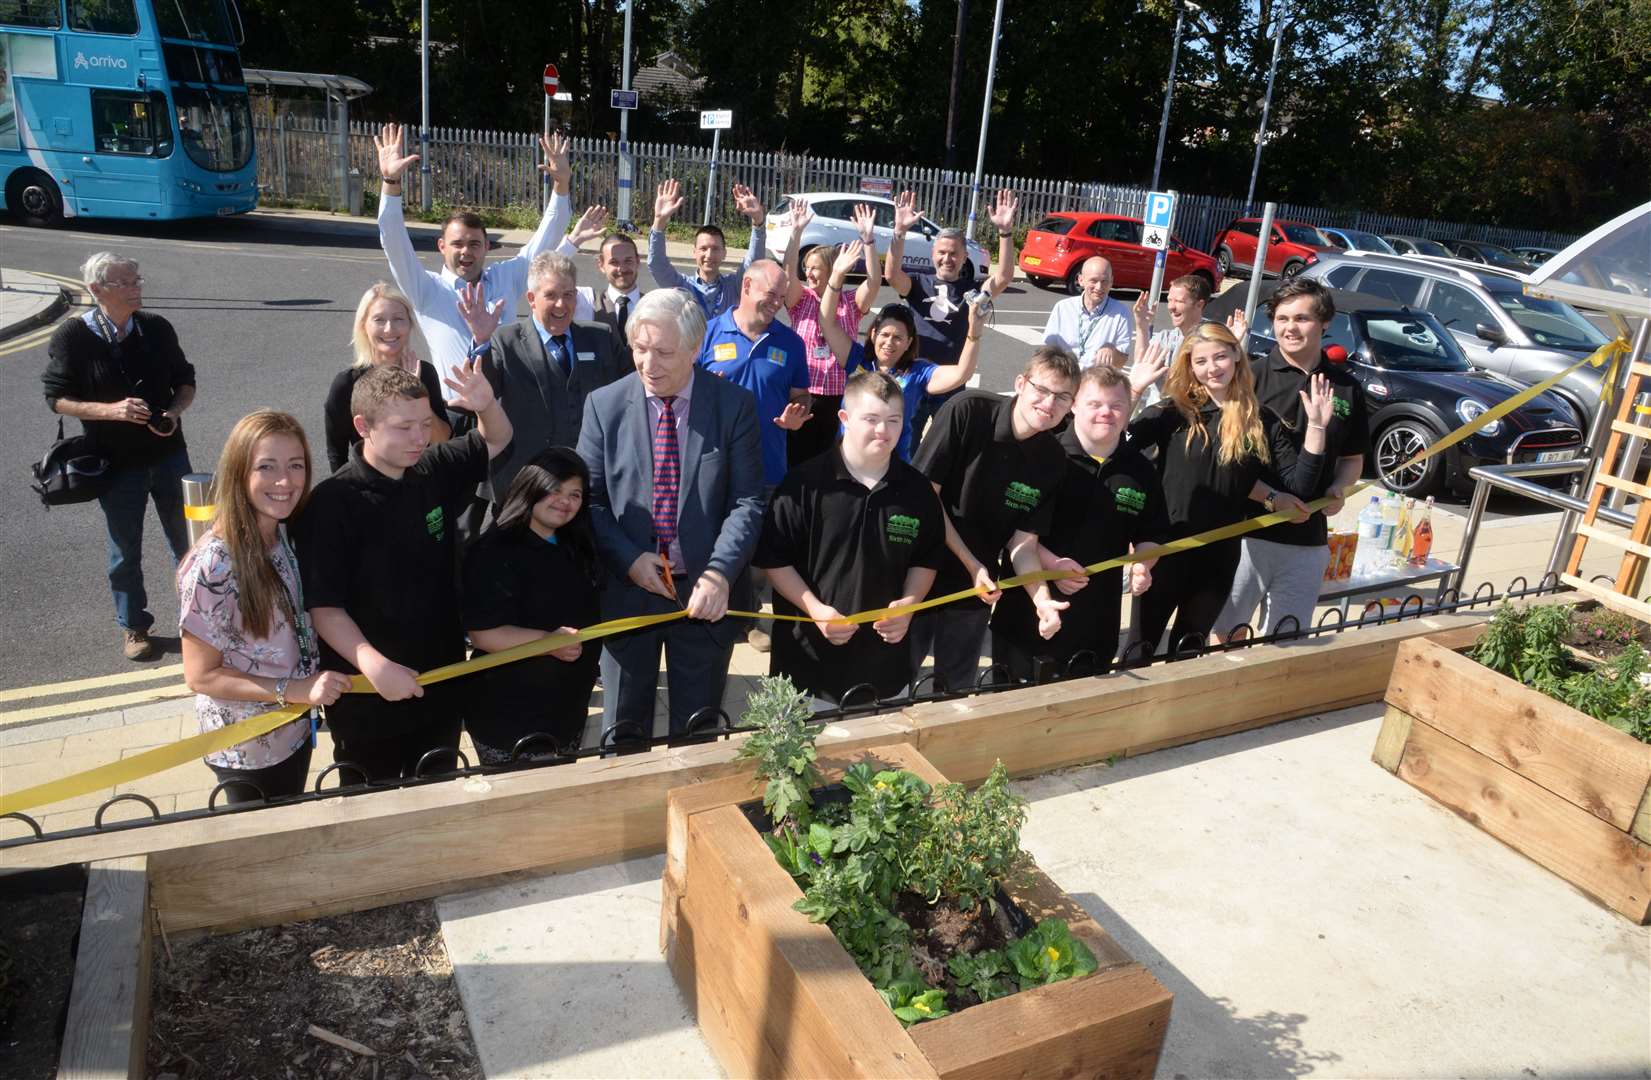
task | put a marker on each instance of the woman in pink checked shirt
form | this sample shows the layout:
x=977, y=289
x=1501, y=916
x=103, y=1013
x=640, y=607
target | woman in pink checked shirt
x=802, y=299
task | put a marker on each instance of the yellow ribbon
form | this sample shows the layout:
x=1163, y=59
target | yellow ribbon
x=199, y=513
x=181, y=752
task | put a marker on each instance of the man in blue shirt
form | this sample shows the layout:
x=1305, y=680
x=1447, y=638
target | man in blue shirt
x=716, y=292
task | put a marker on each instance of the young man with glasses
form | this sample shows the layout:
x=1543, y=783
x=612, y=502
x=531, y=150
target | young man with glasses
x=995, y=462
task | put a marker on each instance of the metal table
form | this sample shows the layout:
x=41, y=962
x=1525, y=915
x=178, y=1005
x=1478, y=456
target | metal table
x=1342, y=593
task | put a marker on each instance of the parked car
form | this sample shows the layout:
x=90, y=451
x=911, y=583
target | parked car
x=1357, y=240
x=1291, y=247
x=1479, y=251
x=1418, y=245
x=833, y=224
x=1419, y=386
x=1057, y=247
x=1536, y=256
x=1502, y=330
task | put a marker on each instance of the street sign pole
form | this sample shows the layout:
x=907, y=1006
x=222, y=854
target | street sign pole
x=1266, y=107
x=985, y=119
x=1260, y=264
x=424, y=104
x=1157, y=227
x=553, y=82
x=711, y=184
x=624, y=208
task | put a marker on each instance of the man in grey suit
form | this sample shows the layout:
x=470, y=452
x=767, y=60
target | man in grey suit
x=676, y=502
x=542, y=369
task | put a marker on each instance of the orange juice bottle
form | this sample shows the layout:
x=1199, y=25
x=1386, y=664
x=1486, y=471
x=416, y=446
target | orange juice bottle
x=1422, y=536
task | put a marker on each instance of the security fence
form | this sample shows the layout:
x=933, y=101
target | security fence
x=298, y=159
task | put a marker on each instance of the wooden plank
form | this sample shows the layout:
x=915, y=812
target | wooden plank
x=1116, y=1019
x=1391, y=739
x=1641, y=490
x=107, y=1031
x=1616, y=540
x=1609, y=597
x=1641, y=828
x=1589, y=764
x=1600, y=860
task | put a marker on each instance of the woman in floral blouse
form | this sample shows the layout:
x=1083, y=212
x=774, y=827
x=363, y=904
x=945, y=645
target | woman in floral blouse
x=247, y=640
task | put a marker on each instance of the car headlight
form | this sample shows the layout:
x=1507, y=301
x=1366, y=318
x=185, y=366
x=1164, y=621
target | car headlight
x=1471, y=409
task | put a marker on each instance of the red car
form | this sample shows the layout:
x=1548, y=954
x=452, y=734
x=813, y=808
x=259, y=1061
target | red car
x=1057, y=247
x=1294, y=246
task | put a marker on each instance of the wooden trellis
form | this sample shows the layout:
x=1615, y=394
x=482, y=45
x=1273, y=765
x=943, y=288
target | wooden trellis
x=1619, y=471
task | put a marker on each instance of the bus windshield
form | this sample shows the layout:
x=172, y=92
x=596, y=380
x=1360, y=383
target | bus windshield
x=196, y=20
x=214, y=127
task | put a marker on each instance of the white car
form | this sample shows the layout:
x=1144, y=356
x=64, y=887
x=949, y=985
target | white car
x=834, y=224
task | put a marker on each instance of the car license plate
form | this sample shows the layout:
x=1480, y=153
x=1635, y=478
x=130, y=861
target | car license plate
x=1033, y=260
x=1555, y=455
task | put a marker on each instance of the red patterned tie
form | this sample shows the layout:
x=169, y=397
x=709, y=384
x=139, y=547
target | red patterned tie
x=667, y=474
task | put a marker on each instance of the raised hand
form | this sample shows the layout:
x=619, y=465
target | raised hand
x=478, y=314
x=977, y=316
x=801, y=215
x=1003, y=213
x=392, y=162
x=794, y=416
x=589, y=226
x=906, y=212
x=555, y=165
x=667, y=201
x=1239, y=325
x=847, y=259
x=747, y=203
x=1154, y=361
x=1318, y=402
x=865, y=223
x=1144, y=310
x=471, y=390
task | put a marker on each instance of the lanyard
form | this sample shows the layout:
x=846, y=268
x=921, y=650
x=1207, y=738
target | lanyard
x=296, y=615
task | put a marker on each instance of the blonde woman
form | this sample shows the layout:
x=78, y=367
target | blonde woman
x=247, y=641
x=1220, y=453
x=385, y=332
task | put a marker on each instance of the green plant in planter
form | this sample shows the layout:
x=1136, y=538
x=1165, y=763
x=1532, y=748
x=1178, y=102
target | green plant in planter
x=970, y=844
x=912, y=1000
x=985, y=972
x=783, y=746
x=1050, y=954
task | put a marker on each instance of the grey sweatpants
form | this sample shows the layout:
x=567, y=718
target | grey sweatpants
x=1283, y=578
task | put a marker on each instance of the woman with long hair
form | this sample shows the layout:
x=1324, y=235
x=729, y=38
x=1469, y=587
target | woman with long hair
x=1220, y=453
x=247, y=639
x=531, y=575
x=891, y=347
x=385, y=332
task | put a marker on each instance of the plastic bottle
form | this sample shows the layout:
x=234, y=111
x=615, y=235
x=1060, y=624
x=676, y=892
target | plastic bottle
x=1390, y=528
x=1422, y=543
x=1370, y=537
x=1402, y=537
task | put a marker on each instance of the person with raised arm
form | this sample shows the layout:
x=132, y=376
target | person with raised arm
x=386, y=332
x=714, y=291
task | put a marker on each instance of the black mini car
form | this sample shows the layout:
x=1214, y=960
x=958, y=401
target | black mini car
x=1418, y=385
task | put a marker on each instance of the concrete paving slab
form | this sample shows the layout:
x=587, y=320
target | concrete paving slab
x=28, y=300
x=562, y=976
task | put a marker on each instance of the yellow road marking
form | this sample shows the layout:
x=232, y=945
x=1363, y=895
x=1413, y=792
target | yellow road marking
x=96, y=682
x=93, y=705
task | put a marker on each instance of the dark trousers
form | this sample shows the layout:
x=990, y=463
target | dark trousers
x=274, y=781
x=955, y=634
x=123, y=503
x=388, y=760
x=1194, y=592
x=696, y=660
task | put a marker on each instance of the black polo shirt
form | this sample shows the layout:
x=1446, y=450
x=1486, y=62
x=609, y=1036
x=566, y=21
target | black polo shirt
x=991, y=483
x=852, y=545
x=1278, y=385
x=1102, y=508
x=1201, y=493
x=384, y=551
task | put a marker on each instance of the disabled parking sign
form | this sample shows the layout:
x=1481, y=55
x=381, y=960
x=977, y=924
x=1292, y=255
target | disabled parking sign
x=1159, y=220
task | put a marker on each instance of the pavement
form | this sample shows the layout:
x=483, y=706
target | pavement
x=1312, y=914
x=28, y=300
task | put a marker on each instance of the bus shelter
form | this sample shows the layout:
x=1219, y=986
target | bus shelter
x=302, y=123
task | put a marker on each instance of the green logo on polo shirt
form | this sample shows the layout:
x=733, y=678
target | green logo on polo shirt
x=1021, y=497
x=435, y=523
x=903, y=529
x=1129, y=500
x=1341, y=407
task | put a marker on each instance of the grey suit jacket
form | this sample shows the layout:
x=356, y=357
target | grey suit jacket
x=720, y=504
x=545, y=406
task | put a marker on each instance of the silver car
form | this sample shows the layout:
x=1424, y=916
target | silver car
x=1499, y=328
x=833, y=224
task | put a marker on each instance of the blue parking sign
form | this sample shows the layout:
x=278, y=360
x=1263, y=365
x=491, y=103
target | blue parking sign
x=1160, y=209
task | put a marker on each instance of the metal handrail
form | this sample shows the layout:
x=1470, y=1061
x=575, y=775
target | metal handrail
x=1512, y=478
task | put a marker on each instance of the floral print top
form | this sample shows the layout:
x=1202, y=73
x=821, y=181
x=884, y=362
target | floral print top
x=209, y=608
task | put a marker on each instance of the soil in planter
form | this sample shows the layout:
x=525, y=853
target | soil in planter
x=38, y=937
x=938, y=931
x=1603, y=633
x=242, y=1004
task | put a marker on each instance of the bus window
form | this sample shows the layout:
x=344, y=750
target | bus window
x=126, y=123
x=195, y=20
x=103, y=16
x=39, y=14
x=34, y=55
x=215, y=127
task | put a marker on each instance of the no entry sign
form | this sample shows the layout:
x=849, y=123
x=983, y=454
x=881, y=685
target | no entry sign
x=552, y=80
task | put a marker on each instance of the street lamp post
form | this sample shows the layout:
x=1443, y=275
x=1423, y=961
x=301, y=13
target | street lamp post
x=1169, y=91
x=985, y=118
x=625, y=172
x=424, y=104
x=1266, y=103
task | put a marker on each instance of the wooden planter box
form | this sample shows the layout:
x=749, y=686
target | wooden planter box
x=776, y=995
x=1552, y=783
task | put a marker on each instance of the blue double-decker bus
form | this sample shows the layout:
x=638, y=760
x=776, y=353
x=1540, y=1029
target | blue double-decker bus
x=123, y=109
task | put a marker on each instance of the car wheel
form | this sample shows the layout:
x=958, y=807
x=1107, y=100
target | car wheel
x=1072, y=286
x=1224, y=260
x=1396, y=444
x=34, y=198
x=1291, y=269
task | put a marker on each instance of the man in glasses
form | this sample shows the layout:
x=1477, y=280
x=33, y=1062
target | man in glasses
x=120, y=371
x=995, y=462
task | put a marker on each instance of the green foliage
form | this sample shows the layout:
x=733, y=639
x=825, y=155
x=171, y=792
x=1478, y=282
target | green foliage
x=970, y=842
x=1050, y=954
x=1529, y=646
x=986, y=973
x=783, y=747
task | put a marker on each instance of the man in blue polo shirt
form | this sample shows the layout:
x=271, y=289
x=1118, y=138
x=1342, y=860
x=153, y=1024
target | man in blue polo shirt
x=746, y=346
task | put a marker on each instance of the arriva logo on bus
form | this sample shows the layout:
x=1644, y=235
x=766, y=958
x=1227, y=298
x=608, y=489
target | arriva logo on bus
x=84, y=61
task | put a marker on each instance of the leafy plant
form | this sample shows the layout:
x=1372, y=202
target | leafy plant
x=986, y=973
x=1499, y=648
x=783, y=746
x=971, y=842
x=913, y=1001
x=1050, y=954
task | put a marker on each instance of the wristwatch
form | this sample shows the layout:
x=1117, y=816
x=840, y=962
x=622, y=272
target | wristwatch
x=281, y=691
x=1272, y=496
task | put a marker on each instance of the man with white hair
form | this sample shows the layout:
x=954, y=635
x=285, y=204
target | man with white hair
x=1092, y=325
x=676, y=503
x=120, y=371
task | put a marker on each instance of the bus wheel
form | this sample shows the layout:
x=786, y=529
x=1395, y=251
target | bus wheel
x=33, y=197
